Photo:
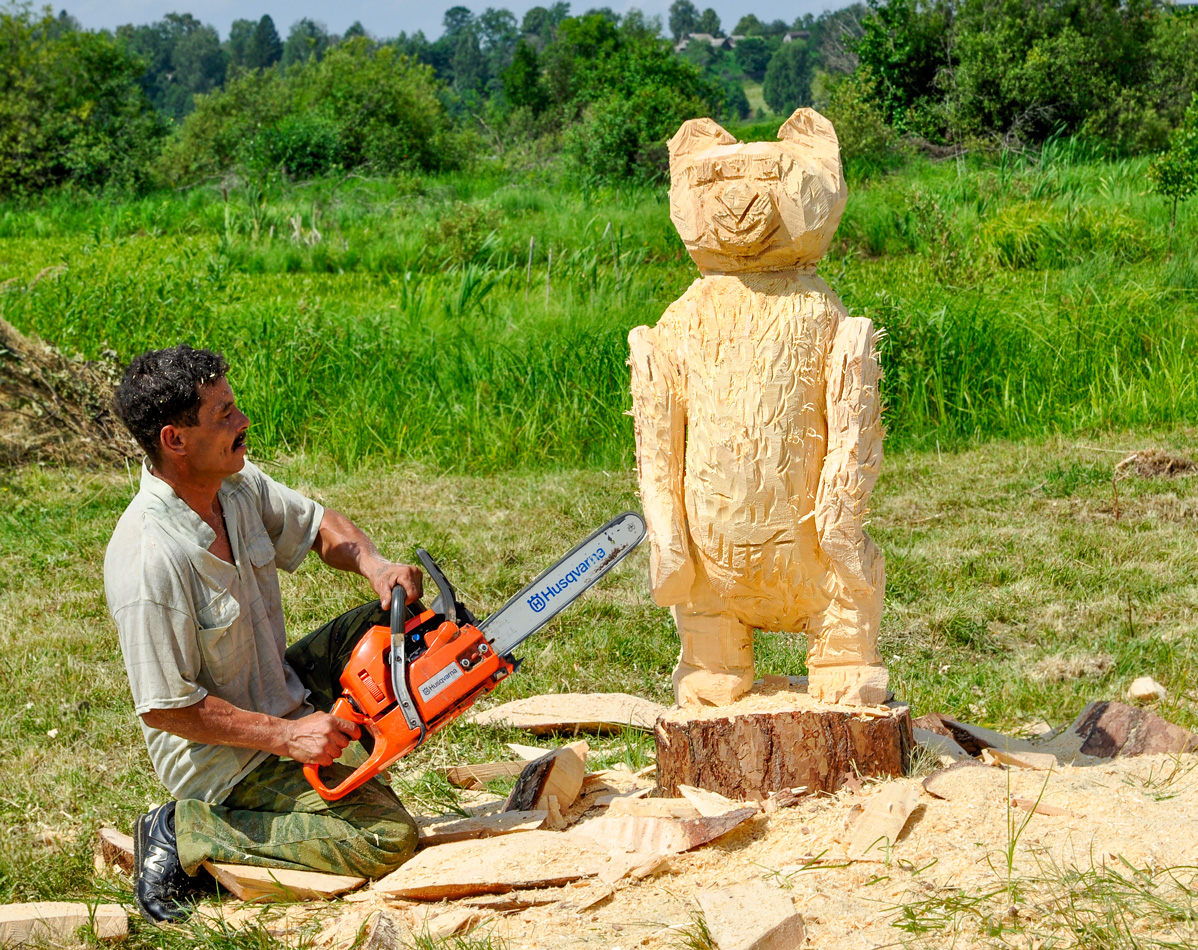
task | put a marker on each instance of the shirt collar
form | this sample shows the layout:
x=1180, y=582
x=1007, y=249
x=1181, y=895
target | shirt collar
x=175, y=512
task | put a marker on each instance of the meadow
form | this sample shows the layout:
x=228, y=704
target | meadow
x=404, y=362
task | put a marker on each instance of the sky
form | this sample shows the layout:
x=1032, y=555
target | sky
x=386, y=19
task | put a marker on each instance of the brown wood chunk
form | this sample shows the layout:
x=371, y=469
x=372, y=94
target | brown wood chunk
x=558, y=774
x=114, y=849
x=1108, y=729
x=476, y=776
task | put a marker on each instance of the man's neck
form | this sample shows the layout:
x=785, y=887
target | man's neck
x=199, y=494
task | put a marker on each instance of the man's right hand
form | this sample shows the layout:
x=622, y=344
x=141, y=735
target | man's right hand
x=318, y=739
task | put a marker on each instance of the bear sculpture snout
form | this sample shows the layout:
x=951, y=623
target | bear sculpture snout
x=744, y=217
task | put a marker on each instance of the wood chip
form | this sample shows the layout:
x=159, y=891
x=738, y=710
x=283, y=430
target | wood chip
x=1040, y=761
x=653, y=808
x=663, y=835
x=751, y=917
x=531, y=859
x=573, y=712
x=261, y=885
x=882, y=822
x=558, y=773
x=709, y=804
x=477, y=776
x=1041, y=807
x=58, y=922
x=114, y=850
x=463, y=829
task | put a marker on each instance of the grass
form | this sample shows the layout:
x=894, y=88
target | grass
x=405, y=319
x=411, y=369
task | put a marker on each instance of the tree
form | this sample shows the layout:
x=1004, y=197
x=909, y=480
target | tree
x=753, y=56
x=709, y=22
x=182, y=57
x=469, y=64
x=356, y=29
x=265, y=48
x=456, y=20
x=522, y=84
x=1175, y=173
x=306, y=40
x=74, y=111
x=748, y=25
x=237, y=46
x=683, y=17
x=787, y=83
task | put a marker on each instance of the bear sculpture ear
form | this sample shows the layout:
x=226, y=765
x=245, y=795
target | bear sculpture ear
x=808, y=128
x=695, y=136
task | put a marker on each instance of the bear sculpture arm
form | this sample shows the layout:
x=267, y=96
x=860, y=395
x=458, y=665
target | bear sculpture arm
x=854, y=455
x=660, y=423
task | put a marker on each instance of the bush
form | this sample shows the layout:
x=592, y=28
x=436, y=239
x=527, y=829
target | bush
x=73, y=111
x=358, y=106
x=788, y=78
x=867, y=143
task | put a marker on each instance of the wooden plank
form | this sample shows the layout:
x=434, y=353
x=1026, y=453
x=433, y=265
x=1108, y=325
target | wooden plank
x=477, y=775
x=42, y=922
x=573, y=712
x=708, y=804
x=529, y=753
x=751, y=917
x=661, y=835
x=443, y=831
x=882, y=822
x=114, y=849
x=260, y=885
x=558, y=774
x=494, y=866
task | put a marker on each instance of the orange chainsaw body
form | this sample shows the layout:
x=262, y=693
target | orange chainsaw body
x=456, y=666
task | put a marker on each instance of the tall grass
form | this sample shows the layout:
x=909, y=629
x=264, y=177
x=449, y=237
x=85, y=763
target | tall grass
x=407, y=318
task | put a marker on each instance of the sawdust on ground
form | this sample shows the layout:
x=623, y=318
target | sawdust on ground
x=1141, y=811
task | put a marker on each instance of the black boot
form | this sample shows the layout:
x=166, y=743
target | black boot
x=161, y=883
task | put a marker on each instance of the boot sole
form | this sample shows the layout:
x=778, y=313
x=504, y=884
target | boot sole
x=139, y=836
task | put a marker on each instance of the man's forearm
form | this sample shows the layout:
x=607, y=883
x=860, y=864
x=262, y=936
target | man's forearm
x=317, y=738
x=343, y=545
x=213, y=721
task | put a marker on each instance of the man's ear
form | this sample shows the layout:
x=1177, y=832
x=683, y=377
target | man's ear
x=696, y=135
x=170, y=442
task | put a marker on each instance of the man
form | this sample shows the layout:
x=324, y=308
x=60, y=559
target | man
x=229, y=713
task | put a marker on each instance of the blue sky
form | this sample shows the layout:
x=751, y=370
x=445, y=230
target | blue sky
x=389, y=18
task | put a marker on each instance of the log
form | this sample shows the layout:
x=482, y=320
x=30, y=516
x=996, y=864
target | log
x=260, y=885
x=766, y=743
x=1108, y=729
x=57, y=922
x=573, y=712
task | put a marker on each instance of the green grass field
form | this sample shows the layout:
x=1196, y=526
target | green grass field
x=410, y=368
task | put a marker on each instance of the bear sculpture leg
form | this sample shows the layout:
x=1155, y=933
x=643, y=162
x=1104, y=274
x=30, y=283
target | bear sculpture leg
x=716, y=663
x=843, y=663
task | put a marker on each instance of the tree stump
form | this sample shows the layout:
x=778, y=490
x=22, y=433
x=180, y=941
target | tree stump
x=778, y=738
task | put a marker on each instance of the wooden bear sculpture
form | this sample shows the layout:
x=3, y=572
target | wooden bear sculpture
x=758, y=425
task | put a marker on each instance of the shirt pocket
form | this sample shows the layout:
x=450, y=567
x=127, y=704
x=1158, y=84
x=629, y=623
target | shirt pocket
x=266, y=575
x=222, y=650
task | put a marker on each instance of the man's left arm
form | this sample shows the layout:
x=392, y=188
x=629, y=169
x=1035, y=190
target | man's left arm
x=342, y=544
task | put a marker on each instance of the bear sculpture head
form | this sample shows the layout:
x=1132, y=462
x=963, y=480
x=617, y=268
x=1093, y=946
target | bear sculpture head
x=761, y=206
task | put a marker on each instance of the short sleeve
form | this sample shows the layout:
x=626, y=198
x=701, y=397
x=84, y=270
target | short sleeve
x=291, y=520
x=162, y=655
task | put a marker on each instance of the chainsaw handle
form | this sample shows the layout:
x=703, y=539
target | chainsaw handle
x=343, y=709
x=399, y=610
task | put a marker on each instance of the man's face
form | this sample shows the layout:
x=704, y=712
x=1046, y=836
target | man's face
x=215, y=445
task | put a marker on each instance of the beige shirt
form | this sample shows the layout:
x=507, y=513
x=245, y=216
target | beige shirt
x=191, y=624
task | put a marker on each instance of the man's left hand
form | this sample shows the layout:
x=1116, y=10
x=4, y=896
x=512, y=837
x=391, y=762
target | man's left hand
x=388, y=575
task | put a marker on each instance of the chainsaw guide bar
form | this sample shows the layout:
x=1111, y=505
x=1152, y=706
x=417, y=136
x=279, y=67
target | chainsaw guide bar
x=405, y=681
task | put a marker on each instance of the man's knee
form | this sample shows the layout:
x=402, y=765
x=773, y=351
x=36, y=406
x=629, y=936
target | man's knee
x=397, y=838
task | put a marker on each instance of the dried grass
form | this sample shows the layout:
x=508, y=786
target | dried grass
x=1154, y=463
x=57, y=408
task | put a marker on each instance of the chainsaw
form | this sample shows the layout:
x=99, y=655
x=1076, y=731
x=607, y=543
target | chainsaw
x=406, y=681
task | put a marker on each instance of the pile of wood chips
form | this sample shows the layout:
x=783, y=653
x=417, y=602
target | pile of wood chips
x=573, y=858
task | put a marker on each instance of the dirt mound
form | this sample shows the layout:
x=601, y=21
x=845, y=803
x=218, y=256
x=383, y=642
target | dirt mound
x=1154, y=463
x=57, y=408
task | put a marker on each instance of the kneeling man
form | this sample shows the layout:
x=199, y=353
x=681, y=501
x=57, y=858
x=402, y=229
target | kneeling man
x=229, y=712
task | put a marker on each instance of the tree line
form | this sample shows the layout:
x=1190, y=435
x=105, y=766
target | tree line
x=172, y=103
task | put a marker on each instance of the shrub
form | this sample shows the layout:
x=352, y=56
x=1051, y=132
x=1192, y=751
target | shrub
x=1175, y=173
x=788, y=78
x=73, y=111
x=867, y=143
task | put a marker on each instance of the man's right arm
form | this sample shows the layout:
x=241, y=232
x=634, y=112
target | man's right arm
x=317, y=739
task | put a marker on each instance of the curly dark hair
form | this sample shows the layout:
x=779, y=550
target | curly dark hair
x=162, y=388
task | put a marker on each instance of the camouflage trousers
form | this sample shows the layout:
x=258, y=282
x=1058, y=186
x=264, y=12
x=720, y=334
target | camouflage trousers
x=273, y=818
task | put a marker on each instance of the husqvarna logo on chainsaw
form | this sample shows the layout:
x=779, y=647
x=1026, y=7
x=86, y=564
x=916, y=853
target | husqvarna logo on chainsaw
x=432, y=687
x=540, y=600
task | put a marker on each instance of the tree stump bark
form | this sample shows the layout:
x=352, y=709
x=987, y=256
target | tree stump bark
x=774, y=739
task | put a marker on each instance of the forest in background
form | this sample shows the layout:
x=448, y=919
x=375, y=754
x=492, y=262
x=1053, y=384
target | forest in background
x=171, y=103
